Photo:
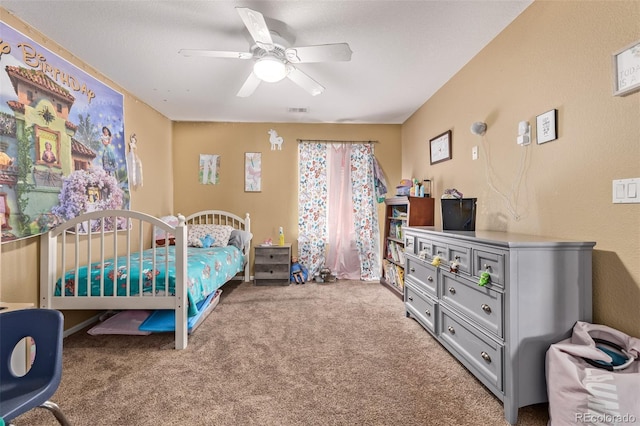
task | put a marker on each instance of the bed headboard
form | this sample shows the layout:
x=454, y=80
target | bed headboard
x=220, y=217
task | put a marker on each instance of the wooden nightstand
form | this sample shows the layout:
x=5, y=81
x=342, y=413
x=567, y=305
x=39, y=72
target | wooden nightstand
x=272, y=265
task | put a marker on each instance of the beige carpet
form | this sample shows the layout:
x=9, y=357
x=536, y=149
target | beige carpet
x=315, y=354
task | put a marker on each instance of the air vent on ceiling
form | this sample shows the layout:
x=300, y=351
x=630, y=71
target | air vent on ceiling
x=299, y=110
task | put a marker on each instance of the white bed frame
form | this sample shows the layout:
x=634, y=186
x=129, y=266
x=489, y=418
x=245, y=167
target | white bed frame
x=64, y=248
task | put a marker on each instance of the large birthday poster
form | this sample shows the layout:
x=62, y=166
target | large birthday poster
x=62, y=146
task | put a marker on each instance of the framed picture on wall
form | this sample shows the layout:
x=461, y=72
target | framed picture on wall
x=252, y=171
x=626, y=70
x=440, y=147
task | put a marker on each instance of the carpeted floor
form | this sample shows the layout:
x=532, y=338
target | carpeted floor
x=316, y=354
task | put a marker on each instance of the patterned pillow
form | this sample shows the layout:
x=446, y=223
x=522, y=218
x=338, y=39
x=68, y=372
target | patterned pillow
x=219, y=233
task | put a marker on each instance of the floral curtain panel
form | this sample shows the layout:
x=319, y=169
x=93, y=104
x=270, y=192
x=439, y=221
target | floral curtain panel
x=313, y=206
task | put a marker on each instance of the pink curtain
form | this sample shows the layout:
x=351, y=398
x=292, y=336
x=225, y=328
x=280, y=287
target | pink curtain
x=342, y=254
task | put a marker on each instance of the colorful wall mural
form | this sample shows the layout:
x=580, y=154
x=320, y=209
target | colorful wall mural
x=62, y=148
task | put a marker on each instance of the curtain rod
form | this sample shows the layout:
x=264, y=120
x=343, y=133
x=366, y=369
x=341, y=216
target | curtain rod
x=332, y=141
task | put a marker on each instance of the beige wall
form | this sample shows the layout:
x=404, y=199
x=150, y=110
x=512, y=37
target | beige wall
x=19, y=279
x=277, y=204
x=554, y=55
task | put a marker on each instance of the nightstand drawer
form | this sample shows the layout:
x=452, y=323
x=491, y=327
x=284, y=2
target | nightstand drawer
x=272, y=255
x=271, y=272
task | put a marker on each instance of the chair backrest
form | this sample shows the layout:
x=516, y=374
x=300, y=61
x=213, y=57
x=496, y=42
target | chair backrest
x=20, y=394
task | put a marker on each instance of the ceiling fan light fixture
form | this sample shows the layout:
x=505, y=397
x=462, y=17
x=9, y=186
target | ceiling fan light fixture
x=270, y=69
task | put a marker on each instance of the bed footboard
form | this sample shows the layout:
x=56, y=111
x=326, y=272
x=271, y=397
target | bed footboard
x=89, y=243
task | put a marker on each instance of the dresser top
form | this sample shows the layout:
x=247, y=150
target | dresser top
x=507, y=239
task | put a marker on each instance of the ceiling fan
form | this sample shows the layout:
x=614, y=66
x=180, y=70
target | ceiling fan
x=273, y=59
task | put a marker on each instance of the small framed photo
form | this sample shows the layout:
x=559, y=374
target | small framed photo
x=252, y=171
x=546, y=126
x=626, y=70
x=440, y=147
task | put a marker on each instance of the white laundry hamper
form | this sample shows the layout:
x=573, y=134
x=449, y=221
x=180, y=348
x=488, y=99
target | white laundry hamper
x=593, y=378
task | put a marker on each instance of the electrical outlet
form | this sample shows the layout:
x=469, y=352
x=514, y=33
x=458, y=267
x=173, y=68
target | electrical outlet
x=474, y=153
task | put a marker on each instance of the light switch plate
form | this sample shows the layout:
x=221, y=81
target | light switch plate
x=626, y=191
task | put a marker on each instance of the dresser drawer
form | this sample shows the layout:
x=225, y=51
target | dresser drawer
x=483, y=306
x=481, y=354
x=421, y=306
x=491, y=262
x=423, y=274
x=409, y=244
x=461, y=255
x=424, y=248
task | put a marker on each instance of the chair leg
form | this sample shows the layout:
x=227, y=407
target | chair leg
x=55, y=410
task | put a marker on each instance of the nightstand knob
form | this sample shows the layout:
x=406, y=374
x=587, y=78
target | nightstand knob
x=486, y=308
x=451, y=330
x=452, y=290
x=429, y=278
x=485, y=356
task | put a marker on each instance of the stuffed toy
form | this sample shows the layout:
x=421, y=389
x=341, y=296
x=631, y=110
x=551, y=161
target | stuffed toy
x=485, y=279
x=436, y=261
x=207, y=241
x=299, y=273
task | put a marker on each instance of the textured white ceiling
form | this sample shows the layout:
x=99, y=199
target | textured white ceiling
x=403, y=52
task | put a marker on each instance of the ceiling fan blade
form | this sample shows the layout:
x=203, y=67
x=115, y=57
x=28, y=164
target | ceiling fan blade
x=249, y=86
x=304, y=81
x=254, y=21
x=319, y=53
x=215, y=53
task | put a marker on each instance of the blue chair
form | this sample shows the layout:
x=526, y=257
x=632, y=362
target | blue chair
x=19, y=394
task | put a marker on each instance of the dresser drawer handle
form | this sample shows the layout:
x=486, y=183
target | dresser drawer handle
x=427, y=313
x=412, y=270
x=486, y=308
x=410, y=298
x=430, y=278
x=270, y=256
x=457, y=258
x=485, y=356
x=452, y=290
x=487, y=267
x=451, y=330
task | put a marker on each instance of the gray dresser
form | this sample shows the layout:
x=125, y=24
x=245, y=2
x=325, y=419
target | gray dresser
x=534, y=290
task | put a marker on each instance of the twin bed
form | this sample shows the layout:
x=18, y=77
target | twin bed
x=87, y=265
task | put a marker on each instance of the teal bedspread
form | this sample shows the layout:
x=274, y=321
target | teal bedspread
x=207, y=270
